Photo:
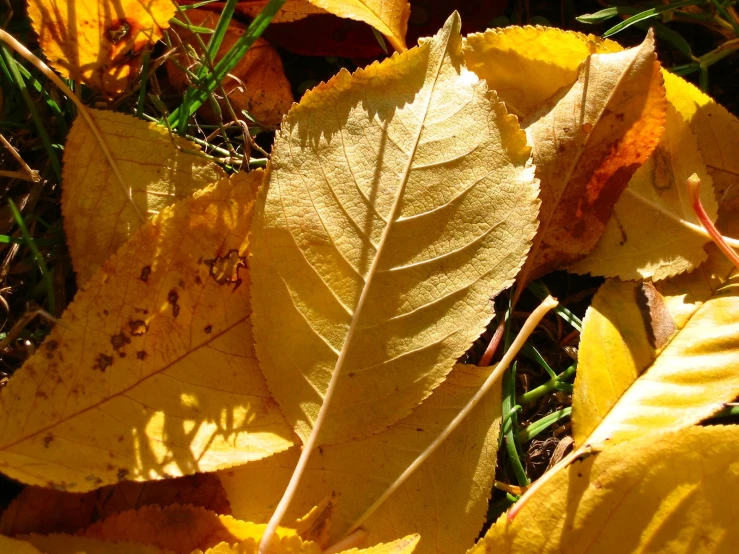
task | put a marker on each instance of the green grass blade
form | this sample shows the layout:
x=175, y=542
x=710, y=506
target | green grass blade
x=37, y=256
x=599, y=16
x=539, y=289
x=647, y=14
x=544, y=423
x=668, y=35
x=20, y=82
x=196, y=97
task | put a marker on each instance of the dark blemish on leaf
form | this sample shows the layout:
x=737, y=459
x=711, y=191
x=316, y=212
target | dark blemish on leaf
x=225, y=270
x=52, y=345
x=182, y=283
x=350, y=374
x=121, y=438
x=42, y=395
x=122, y=354
x=145, y=272
x=118, y=31
x=141, y=355
x=173, y=298
x=102, y=362
x=48, y=439
x=109, y=467
x=320, y=450
x=122, y=473
x=198, y=280
x=419, y=429
x=138, y=327
x=105, y=312
x=620, y=116
x=579, y=474
x=119, y=341
x=208, y=329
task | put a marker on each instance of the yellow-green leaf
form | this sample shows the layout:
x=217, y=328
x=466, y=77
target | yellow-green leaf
x=645, y=237
x=528, y=65
x=683, y=340
x=400, y=201
x=675, y=493
x=445, y=501
x=151, y=371
x=389, y=17
x=104, y=202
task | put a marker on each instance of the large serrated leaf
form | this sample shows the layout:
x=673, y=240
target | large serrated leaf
x=400, y=201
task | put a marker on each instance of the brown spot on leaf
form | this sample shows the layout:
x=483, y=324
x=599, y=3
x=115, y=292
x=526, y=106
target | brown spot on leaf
x=102, y=362
x=145, y=272
x=48, y=439
x=173, y=298
x=122, y=473
x=208, y=329
x=138, y=327
x=198, y=280
x=52, y=345
x=141, y=354
x=118, y=31
x=119, y=341
x=225, y=270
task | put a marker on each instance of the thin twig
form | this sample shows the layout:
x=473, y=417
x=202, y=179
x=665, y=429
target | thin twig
x=694, y=184
x=528, y=327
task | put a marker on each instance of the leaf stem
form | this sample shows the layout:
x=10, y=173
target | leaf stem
x=547, y=387
x=528, y=327
x=694, y=184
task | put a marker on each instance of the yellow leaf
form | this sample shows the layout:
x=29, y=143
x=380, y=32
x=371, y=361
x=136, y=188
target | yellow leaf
x=587, y=146
x=99, y=42
x=688, y=373
x=151, y=371
x=315, y=526
x=400, y=200
x=675, y=493
x=406, y=545
x=717, y=131
x=291, y=10
x=445, y=501
x=157, y=170
x=70, y=544
x=17, y=546
x=644, y=238
x=390, y=17
x=528, y=65
x=256, y=84
x=183, y=529
x=290, y=544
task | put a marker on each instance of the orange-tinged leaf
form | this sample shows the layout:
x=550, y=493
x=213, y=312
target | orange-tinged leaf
x=673, y=493
x=445, y=501
x=291, y=10
x=389, y=17
x=45, y=511
x=289, y=544
x=386, y=187
x=587, y=146
x=528, y=65
x=646, y=238
x=70, y=544
x=182, y=529
x=151, y=371
x=257, y=84
x=99, y=42
x=100, y=212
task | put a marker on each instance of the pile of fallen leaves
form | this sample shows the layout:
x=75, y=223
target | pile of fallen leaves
x=232, y=326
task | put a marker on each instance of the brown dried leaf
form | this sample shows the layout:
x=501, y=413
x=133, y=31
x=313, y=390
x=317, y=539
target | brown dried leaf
x=45, y=511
